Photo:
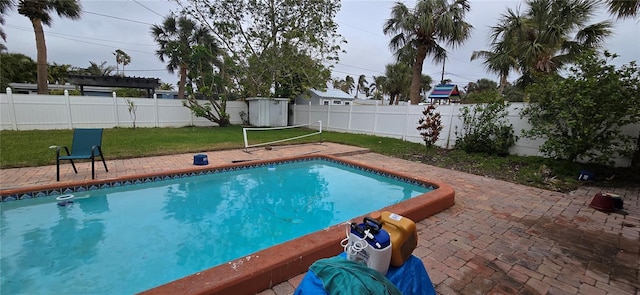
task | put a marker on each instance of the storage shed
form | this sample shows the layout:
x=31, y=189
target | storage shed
x=268, y=112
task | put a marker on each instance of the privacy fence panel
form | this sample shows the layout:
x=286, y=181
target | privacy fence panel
x=45, y=112
x=402, y=121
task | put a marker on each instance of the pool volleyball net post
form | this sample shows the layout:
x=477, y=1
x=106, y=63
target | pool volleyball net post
x=247, y=130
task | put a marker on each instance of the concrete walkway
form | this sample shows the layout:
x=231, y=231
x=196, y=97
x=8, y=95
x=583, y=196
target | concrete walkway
x=499, y=237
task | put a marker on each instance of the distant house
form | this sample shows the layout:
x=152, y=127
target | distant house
x=445, y=93
x=30, y=88
x=328, y=97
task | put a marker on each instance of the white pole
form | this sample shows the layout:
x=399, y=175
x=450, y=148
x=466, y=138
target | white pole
x=450, y=125
x=115, y=109
x=155, y=110
x=244, y=134
x=375, y=119
x=328, y=113
x=349, y=123
x=12, y=110
x=68, y=103
x=309, y=114
x=406, y=122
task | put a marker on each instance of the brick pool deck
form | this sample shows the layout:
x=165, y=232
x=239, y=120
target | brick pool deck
x=499, y=237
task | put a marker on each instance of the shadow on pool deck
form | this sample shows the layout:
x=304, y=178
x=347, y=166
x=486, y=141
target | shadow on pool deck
x=499, y=237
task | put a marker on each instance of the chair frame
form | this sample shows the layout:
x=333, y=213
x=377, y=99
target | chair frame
x=96, y=150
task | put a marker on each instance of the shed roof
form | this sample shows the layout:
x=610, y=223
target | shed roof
x=331, y=93
x=445, y=91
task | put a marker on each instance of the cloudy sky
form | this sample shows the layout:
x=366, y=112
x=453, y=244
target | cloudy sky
x=107, y=25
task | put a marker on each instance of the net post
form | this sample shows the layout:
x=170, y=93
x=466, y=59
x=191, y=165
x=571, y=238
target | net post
x=244, y=134
x=320, y=121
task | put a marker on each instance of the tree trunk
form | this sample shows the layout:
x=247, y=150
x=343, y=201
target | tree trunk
x=182, y=82
x=503, y=82
x=41, y=48
x=414, y=91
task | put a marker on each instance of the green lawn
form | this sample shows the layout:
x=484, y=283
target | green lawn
x=31, y=148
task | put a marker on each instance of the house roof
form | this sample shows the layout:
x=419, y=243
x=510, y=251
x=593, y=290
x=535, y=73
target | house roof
x=331, y=93
x=445, y=91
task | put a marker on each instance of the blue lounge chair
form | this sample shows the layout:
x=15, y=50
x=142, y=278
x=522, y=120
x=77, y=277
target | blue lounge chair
x=86, y=145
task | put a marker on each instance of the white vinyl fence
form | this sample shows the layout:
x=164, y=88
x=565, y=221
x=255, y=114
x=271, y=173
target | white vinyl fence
x=45, y=112
x=401, y=122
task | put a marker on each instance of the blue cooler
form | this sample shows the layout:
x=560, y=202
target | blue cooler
x=200, y=159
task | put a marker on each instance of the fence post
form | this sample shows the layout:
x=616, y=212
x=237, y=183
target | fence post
x=12, y=110
x=309, y=114
x=68, y=103
x=349, y=123
x=375, y=119
x=450, y=125
x=328, y=115
x=406, y=122
x=115, y=109
x=155, y=110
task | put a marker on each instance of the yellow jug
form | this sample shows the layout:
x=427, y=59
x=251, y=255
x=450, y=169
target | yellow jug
x=403, y=234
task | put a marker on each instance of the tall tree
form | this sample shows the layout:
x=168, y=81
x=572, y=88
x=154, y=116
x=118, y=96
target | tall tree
x=425, y=86
x=624, y=8
x=58, y=74
x=39, y=13
x=397, y=82
x=176, y=37
x=16, y=68
x=423, y=31
x=378, y=86
x=362, y=84
x=122, y=58
x=265, y=38
x=166, y=86
x=348, y=84
x=548, y=35
x=101, y=69
x=4, y=7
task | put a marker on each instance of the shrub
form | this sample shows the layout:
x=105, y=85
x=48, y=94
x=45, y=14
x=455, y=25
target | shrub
x=484, y=129
x=430, y=125
x=581, y=116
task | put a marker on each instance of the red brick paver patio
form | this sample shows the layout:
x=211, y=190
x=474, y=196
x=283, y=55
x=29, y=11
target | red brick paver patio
x=499, y=237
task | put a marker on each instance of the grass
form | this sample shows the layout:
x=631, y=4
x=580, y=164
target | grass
x=31, y=148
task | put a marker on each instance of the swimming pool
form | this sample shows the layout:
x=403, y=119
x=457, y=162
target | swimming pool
x=84, y=217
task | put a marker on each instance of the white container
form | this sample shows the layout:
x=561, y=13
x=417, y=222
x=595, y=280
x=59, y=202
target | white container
x=373, y=251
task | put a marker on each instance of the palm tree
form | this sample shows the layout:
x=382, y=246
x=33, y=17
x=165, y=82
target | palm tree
x=176, y=37
x=39, y=13
x=624, y=8
x=378, y=86
x=420, y=30
x=360, y=87
x=337, y=83
x=398, y=80
x=349, y=84
x=550, y=34
x=166, y=86
x=502, y=58
x=4, y=6
x=99, y=69
x=425, y=85
x=58, y=73
x=121, y=58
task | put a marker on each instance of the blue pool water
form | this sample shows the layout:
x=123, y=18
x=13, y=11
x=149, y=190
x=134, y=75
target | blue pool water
x=132, y=238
